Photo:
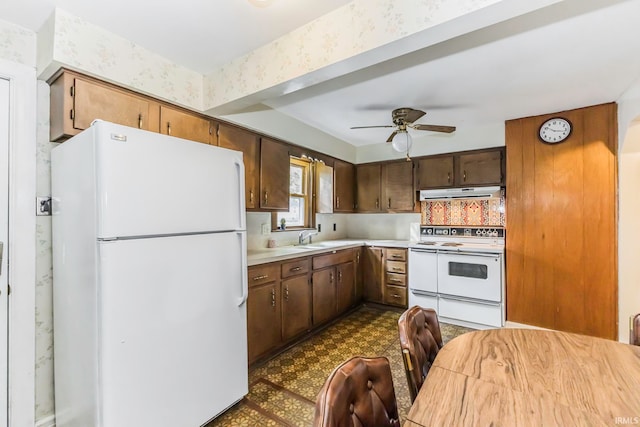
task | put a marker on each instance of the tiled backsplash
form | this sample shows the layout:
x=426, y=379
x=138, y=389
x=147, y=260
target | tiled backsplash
x=464, y=212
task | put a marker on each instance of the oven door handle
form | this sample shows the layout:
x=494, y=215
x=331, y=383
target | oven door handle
x=471, y=300
x=482, y=254
x=428, y=251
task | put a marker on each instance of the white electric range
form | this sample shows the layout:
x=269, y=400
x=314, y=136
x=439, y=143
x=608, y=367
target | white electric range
x=459, y=272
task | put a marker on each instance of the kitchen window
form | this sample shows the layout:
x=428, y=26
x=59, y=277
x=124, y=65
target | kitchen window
x=299, y=214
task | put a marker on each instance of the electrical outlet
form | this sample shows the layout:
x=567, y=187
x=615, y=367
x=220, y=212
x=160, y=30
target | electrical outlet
x=43, y=206
x=266, y=229
x=334, y=226
x=319, y=227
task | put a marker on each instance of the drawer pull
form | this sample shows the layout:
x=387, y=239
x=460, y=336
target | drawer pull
x=264, y=276
x=295, y=269
x=395, y=295
x=397, y=269
x=395, y=280
x=273, y=297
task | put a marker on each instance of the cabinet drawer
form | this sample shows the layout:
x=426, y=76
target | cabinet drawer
x=396, y=267
x=295, y=267
x=266, y=273
x=394, y=254
x=395, y=295
x=333, y=258
x=396, y=279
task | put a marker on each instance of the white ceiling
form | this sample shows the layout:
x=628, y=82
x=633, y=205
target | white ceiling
x=572, y=54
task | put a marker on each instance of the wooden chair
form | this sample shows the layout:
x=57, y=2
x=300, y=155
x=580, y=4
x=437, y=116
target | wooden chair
x=359, y=392
x=634, y=329
x=420, y=341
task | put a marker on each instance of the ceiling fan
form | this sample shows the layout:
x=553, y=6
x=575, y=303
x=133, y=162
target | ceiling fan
x=404, y=118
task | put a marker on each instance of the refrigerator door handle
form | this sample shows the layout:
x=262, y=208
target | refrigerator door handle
x=240, y=171
x=244, y=267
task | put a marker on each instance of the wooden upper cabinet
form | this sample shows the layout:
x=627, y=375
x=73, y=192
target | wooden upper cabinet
x=482, y=168
x=368, y=187
x=274, y=175
x=343, y=186
x=434, y=172
x=385, y=187
x=397, y=186
x=248, y=143
x=77, y=101
x=466, y=169
x=185, y=125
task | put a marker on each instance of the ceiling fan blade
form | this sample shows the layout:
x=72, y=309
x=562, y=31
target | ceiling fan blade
x=394, y=133
x=434, y=128
x=368, y=127
x=414, y=115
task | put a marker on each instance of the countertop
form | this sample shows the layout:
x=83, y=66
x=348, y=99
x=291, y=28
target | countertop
x=266, y=255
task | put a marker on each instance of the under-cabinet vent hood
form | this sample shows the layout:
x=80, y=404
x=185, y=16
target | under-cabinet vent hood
x=460, y=193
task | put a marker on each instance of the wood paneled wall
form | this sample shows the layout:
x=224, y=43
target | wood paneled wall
x=562, y=212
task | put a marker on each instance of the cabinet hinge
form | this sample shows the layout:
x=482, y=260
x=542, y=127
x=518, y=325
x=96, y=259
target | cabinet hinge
x=8, y=289
x=71, y=114
x=72, y=91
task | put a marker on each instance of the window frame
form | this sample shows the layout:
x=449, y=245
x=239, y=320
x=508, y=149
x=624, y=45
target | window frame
x=307, y=196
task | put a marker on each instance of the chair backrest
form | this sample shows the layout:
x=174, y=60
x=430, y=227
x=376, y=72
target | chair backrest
x=420, y=341
x=634, y=329
x=358, y=393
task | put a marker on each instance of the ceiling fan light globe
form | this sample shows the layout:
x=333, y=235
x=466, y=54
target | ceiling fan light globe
x=401, y=142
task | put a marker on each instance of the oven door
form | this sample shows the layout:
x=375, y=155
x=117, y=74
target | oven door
x=423, y=270
x=470, y=275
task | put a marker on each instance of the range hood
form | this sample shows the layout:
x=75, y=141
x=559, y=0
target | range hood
x=460, y=193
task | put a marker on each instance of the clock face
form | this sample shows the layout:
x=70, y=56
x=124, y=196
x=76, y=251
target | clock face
x=555, y=130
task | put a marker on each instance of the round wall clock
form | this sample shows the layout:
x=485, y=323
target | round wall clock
x=555, y=130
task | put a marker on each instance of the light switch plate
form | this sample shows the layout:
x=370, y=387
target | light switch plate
x=266, y=229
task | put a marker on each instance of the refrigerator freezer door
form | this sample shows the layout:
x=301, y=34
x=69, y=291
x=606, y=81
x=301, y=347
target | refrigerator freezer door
x=152, y=184
x=173, y=331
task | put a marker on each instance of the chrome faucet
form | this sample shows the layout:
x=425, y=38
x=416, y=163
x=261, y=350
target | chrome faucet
x=304, y=234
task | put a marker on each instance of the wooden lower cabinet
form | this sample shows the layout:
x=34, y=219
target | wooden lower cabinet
x=373, y=266
x=296, y=306
x=345, y=286
x=324, y=295
x=263, y=319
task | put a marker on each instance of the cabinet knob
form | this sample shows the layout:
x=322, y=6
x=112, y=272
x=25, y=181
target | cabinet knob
x=337, y=201
x=140, y=121
x=389, y=205
x=168, y=128
x=464, y=176
x=251, y=196
x=295, y=269
x=266, y=197
x=330, y=277
x=286, y=294
x=448, y=177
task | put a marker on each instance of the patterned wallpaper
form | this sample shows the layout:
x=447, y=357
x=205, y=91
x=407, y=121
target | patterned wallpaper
x=17, y=44
x=86, y=47
x=484, y=212
x=351, y=30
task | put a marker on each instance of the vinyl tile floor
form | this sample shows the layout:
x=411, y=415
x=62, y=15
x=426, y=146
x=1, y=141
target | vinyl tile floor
x=283, y=390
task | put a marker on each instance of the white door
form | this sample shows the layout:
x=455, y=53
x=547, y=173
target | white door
x=4, y=228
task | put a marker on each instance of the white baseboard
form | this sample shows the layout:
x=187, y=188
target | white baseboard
x=49, y=421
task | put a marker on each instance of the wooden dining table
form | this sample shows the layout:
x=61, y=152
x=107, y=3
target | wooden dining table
x=527, y=377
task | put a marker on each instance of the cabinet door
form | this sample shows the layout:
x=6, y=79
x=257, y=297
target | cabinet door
x=346, y=286
x=263, y=319
x=368, y=188
x=434, y=172
x=296, y=306
x=343, y=186
x=324, y=295
x=274, y=175
x=185, y=125
x=358, y=263
x=249, y=143
x=373, y=274
x=76, y=102
x=480, y=168
x=323, y=188
x=397, y=186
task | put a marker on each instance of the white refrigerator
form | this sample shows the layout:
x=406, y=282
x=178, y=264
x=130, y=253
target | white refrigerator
x=150, y=287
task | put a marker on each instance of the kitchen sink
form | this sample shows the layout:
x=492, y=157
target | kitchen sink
x=321, y=245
